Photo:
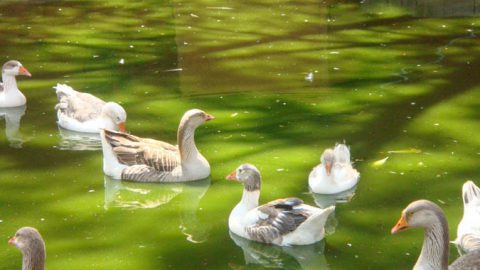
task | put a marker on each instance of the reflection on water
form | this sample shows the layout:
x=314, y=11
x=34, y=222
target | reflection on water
x=12, y=118
x=78, y=141
x=430, y=8
x=184, y=196
x=271, y=256
x=326, y=200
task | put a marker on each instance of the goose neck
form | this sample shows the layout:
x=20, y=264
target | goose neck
x=34, y=259
x=186, y=142
x=9, y=82
x=250, y=199
x=434, y=254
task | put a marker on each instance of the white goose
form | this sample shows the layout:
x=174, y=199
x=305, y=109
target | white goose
x=10, y=96
x=281, y=222
x=335, y=172
x=145, y=160
x=434, y=255
x=468, y=231
x=84, y=112
x=29, y=241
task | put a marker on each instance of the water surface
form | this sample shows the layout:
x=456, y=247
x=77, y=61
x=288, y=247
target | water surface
x=285, y=79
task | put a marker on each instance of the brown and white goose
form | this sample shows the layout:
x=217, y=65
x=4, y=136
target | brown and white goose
x=29, y=241
x=10, y=95
x=282, y=222
x=434, y=255
x=84, y=112
x=138, y=159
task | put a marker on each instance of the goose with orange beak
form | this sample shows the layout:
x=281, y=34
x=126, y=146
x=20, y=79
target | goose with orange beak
x=84, y=112
x=132, y=158
x=29, y=241
x=335, y=173
x=434, y=255
x=10, y=95
x=281, y=222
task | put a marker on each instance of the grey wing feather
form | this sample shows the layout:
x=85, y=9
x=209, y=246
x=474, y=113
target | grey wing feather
x=470, y=261
x=80, y=106
x=470, y=242
x=1, y=87
x=281, y=218
x=132, y=150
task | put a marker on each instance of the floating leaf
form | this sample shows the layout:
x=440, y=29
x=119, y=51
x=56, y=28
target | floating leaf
x=405, y=151
x=379, y=163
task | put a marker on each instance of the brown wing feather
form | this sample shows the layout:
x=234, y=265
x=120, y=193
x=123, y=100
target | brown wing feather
x=132, y=150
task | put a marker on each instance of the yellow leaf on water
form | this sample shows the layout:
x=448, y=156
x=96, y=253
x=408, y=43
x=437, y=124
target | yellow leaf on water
x=405, y=151
x=379, y=163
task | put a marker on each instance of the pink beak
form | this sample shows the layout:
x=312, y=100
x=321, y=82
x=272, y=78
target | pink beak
x=328, y=167
x=23, y=71
x=232, y=176
x=209, y=117
x=12, y=241
x=122, y=127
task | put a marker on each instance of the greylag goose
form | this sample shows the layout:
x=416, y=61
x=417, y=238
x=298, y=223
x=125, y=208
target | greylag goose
x=335, y=173
x=468, y=231
x=10, y=96
x=84, y=112
x=138, y=159
x=29, y=241
x=281, y=222
x=434, y=255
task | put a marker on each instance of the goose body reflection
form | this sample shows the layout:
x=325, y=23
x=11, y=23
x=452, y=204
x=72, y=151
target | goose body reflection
x=185, y=197
x=12, y=117
x=294, y=257
x=79, y=141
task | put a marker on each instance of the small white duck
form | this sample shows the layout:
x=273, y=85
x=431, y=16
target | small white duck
x=84, y=112
x=468, y=230
x=138, y=159
x=10, y=96
x=335, y=172
x=281, y=222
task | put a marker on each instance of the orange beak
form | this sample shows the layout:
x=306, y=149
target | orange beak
x=23, y=71
x=402, y=225
x=232, y=176
x=12, y=240
x=209, y=117
x=328, y=167
x=122, y=127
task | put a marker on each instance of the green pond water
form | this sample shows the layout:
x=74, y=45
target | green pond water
x=285, y=80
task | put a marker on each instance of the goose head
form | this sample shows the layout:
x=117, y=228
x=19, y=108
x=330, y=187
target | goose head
x=14, y=68
x=195, y=117
x=29, y=241
x=328, y=159
x=116, y=114
x=418, y=214
x=247, y=174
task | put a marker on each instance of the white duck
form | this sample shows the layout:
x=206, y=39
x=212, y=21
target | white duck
x=10, y=96
x=281, y=222
x=84, y=112
x=434, y=255
x=145, y=160
x=468, y=231
x=335, y=172
x=29, y=241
